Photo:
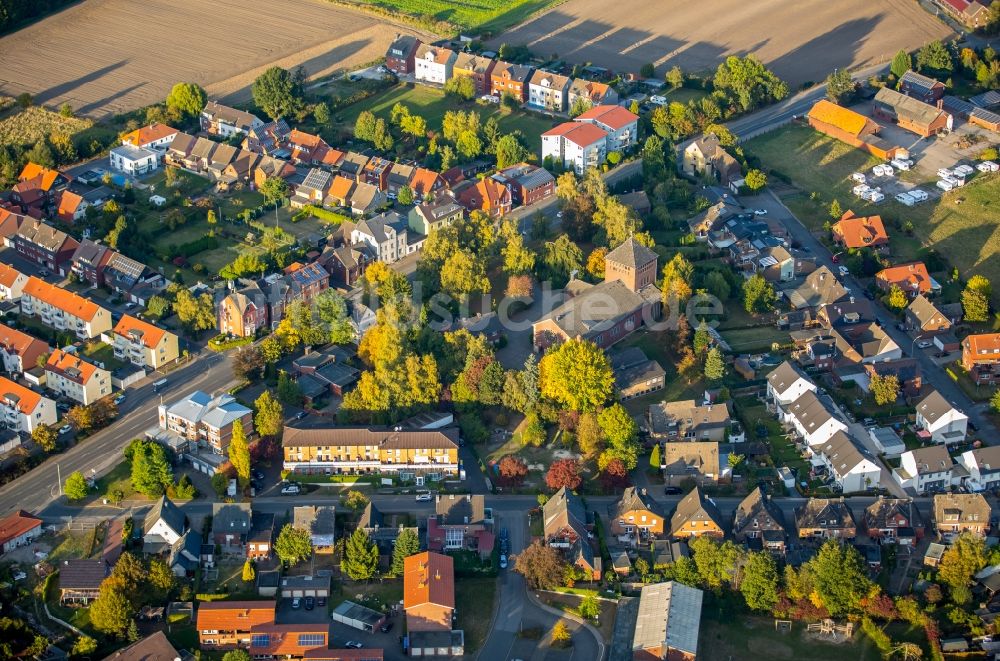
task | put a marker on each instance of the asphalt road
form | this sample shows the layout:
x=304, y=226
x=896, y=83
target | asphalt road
x=931, y=372
x=35, y=490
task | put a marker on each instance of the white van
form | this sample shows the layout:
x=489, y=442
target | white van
x=901, y=164
x=878, y=170
x=859, y=177
x=658, y=100
x=945, y=185
x=943, y=172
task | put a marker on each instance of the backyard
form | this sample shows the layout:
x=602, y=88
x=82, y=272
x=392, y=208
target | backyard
x=431, y=104
x=963, y=225
x=475, y=598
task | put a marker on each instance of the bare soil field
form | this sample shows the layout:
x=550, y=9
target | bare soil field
x=109, y=56
x=802, y=41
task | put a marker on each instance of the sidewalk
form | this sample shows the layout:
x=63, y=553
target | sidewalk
x=545, y=643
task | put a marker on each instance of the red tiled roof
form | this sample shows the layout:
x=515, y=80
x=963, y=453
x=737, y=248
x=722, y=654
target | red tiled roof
x=860, y=232
x=283, y=639
x=68, y=205
x=147, y=134
x=429, y=578
x=27, y=400
x=15, y=525
x=150, y=334
x=234, y=615
x=22, y=344
x=610, y=115
x=45, y=176
x=909, y=277
x=986, y=343
x=57, y=297
x=423, y=181
x=62, y=362
x=8, y=275
x=581, y=134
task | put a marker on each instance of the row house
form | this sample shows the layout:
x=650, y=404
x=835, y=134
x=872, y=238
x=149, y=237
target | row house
x=511, y=79
x=313, y=190
x=786, y=383
x=400, y=56
x=636, y=518
x=938, y=421
x=44, y=245
x=88, y=262
x=527, y=183
x=957, y=513
x=430, y=216
x=19, y=352
x=461, y=521
x=815, y=420
x=825, y=518
x=268, y=168
x=376, y=172
x=204, y=420
x=352, y=165
x=224, y=121
x=24, y=410
x=696, y=515
x=852, y=466
x=565, y=527
x=476, y=67
x=894, y=521
x=131, y=278
x=759, y=521
x=62, y=310
x=981, y=357
x=430, y=454
x=300, y=640
x=590, y=93
x=400, y=176
x=268, y=138
x=433, y=64
x=144, y=344
x=548, y=91
x=12, y=283
x=226, y=625
x=983, y=466
x=486, y=195
x=71, y=376
x=426, y=184
x=925, y=469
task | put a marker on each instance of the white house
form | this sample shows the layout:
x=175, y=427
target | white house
x=434, y=64
x=621, y=125
x=71, y=376
x=939, y=421
x=813, y=419
x=787, y=383
x=135, y=161
x=925, y=469
x=24, y=410
x=983, y=465
x=575, y=145
x=386, y=235
x=164, y=525
x=853, y=468
x=12, y=283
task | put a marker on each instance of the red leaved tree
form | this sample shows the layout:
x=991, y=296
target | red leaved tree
x=615, y=475
x=513, y=470
x=564, y=473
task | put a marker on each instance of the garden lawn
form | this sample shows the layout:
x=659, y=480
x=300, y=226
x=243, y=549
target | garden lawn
x=120, y=477
x=491, y=16
x=475, y=598
x=783, y=452
x=759, y=338
x=103, y=353
x=963, y=225
x=431, y=104
x=742, y=638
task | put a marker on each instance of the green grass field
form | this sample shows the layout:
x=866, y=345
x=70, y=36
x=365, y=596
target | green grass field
x=963, y=225
x=431, y=104
x=491, y=16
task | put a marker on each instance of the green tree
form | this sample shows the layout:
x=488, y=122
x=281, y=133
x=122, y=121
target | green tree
x=748, y=82
x=717, y=285
x=331, y=308
x=717, y=563
x=84, y=646
x=293, y=544
x=321, y=113
x=160, y=576
x=355, y=500
x=885, y=389
x=187, y=99
x=995, y=402
x=509, y=151
x=576, y=374
x=276, y=92
x=654, y=457
x=562, y=257
x=896, y=298
x=462, y=87
x=236, y=655
x=647, y=70
x=274, y=189
x=715, y=365
x=840, y=87
x=561, y=635
x=151, y=472
x=197, y=313
x=965, y=557
x=249, y=573
x=46, y=437
x=364, y=126
x=158, y=306
x=756, y=180
x=464, y=273
x=934, y=57
x=901, y=63
x=407, y=544
x=758, y=295
x=620, y=432
x=111, y=612
x=676, y=283
x=41, y=154
x=518, y=259
x=239, y=454
x=543, y=567
x=976, y=299
x=675, y=77
x=840, y=577
x=360, y=560
x=589, y=608
x=759, y=585
x=405, y=196
x=835, y=210
x=75, y=486
x=288, y=390
x=269, y=418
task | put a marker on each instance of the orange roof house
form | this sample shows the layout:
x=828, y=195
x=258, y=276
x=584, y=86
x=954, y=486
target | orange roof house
x=854, y=232
x=225, y=624
x=19, y=351
x=71, y=207
x=41, y=176
x=853, y=128
x=146, y=332
x=425, y=182
x=486, y=195
x=12, y=282
x=68, y=302
x=289, y=641
x=981, y=357
x=911, y=278
x=340, y=190
x=429, y=591
x=17, y=396
x=154, y=134
x=70, y=365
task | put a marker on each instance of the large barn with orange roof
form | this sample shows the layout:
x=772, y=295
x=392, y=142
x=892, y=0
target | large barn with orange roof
x=853, y=128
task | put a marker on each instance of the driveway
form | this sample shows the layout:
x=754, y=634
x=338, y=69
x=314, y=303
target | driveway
x=932, y=373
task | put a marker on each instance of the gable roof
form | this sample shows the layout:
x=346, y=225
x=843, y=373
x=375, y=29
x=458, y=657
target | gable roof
x=925, y=312
x=843, y=454
x=931, y=459
x=16, y=524
x=231, y=517
x=907, y=107
x=326, y=435
x=44, y=177
x=982, y=343
x=934, y=406
x=811, y=412
x=460, y=509
x=632, y=254
x=69, y=204
x=582, y=134
x=824, y=513
x=132, y=328
x=756, y=505
x=668, y=618
x=429, y=578
x=908, y=277
x=920, y=81
x=147, y=134
x=317, y=520
x=970, y=508
x=154, y=647
x=838, y=116
x=24, y=399
x=695, y=506
x=564, y=508
x=821, y=287
x=548, y=79
x=13, y=341
x=424, y=181
x=613, y=116
x=634, y=500
x=681, y=457
x=171, y=515
x=45, y=235
x=785, y=375
x=860, y=231
x=238, y=118
x=81, y=574
x=68, y=302
x=234, y=615
x=70, y=366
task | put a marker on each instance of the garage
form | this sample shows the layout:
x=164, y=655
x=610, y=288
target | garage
x=358, y=617
x=305, y=586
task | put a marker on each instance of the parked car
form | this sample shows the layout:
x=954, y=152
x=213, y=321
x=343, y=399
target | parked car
x=321, y=601
x=301, y=414
x=844, y=271
x=353, y=644
x=677, y=491
x=760, y=212
x=310, y=603
x=423, y=496
x=386, y=628
x=503, y=562
x=925, y=344
x=296, y=603
x=291, y=489
x=65, y=429
x=119, y=399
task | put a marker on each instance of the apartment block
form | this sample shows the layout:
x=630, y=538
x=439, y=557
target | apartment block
x=62, y=310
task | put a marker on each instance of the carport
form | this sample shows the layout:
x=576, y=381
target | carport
x=358, y=617
x=305, y=586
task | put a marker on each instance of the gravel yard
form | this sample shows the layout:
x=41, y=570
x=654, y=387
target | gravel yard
x=801, y=41
x=109, y=56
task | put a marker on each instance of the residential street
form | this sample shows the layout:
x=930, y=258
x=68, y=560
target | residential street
x=95, y=455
